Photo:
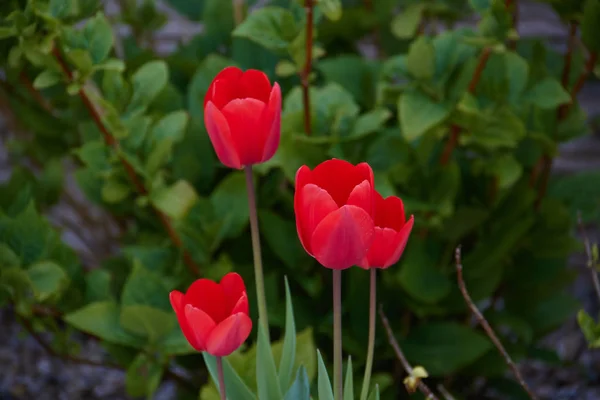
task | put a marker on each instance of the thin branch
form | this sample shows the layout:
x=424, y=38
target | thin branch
x=591, y=262
x=238, y=11
x=401, y=357
x=305, y=74
x=111, y=141
x=563, y=113
x=447, y=395
x=566, y=73
x=589, y=68
x=33, y=92
x=455, y=129
x=486, y=326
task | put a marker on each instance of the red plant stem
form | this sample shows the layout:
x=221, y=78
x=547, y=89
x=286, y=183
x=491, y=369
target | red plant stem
x=589, y=68
x=545, y=163
x=455, y=129
x=111, y=141
x=486, y=326
x=305, y=75
x=34, y=93
x=566, y=73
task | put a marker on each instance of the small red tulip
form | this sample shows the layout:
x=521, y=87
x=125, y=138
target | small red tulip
x=242, y=114
x=391, y=233
x=214, y=316
x=334, y=208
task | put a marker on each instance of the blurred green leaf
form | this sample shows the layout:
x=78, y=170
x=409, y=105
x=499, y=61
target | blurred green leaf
x=101, y=319
x=148, y=81
x=590, y=30
x=99, y=36
x=420, y=61
x=144, y=287
x=143, y=376
x=175, y=200
x=547, y=94
x=230, y=202
x=444, y=347
x=332, y=9
x=47, y=279
x=147, y=321
x=271, y=27
x=418, y=114
x=590, y=328
x=46, y=78
x=406, y=23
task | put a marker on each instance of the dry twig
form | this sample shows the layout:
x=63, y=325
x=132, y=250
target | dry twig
x=486, y=326
x=591, y=263
x=401, y=357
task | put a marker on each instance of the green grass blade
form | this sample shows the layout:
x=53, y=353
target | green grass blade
x=324, y=385
x=267, y=381
x=288, y=354
x=234, y=384
x=349, y=381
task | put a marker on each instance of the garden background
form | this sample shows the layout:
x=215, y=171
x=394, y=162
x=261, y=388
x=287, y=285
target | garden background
x=480, y=197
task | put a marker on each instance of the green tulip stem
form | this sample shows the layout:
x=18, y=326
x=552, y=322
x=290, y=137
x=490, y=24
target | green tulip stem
x=371, y=347
x=337, y=334
x=221, y=378
x=258, y=269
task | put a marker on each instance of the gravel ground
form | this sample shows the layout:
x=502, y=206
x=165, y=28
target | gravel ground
x=27, y=372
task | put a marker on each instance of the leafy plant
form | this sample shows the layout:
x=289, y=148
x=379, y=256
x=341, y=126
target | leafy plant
x=462, y=124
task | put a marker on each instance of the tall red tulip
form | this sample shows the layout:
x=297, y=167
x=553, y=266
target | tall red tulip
x=214, y=316
x=242, y=114
x=334, y=208
x=391, y=233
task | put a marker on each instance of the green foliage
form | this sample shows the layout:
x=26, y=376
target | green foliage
x=126, y=125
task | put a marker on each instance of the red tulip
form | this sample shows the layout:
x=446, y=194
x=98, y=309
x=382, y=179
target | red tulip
x=334, y=208
x=242, y=114
x=391, y=233
x=214, y=316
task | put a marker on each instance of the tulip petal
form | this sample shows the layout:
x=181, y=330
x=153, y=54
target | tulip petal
x=389, y=212
x=220, y=136
x=242, y=305
x=209, y=297
x=200, y=325
x=362, y=196
x=243, y=118
x=314, y=204
x=232, y=74
x=340, y=177
x=343, y=237
x=233, y=288
x=401, y=240
x=271, y=121
x=223, y=91
x=229, y=335
x=254, y=84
